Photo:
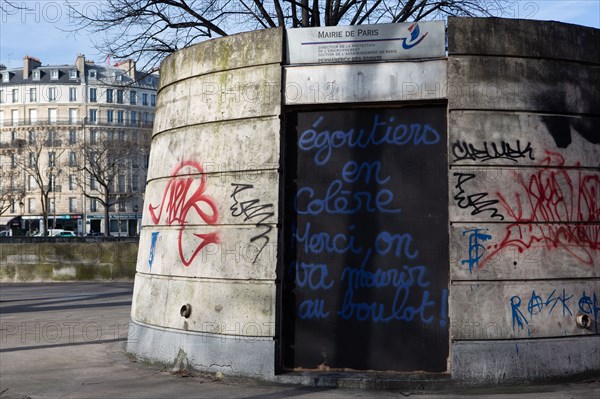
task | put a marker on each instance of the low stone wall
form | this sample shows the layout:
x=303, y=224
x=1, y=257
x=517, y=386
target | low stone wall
x=47, y=259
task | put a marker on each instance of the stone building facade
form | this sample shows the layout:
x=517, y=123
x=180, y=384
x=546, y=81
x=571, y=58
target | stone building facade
x=60, y=111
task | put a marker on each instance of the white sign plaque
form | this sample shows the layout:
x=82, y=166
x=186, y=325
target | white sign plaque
x=380, y=42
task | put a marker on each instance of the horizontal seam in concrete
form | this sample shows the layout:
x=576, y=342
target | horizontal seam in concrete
x=524, y=339
x=221, y=122
x=206, y=334
x=216, y=72
x=226, y=225
x=518, y=111
x=266, y=282
x=215, y=121
x=526, y=57
x=407, y=61
x=504, y=281
x=481, y=167
x=231, y=172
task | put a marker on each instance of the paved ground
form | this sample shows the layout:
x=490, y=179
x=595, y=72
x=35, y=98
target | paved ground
x=67, y=341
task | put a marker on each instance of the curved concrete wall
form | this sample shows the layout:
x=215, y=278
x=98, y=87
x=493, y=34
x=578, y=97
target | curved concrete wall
x=215, y=146
x=524, y=186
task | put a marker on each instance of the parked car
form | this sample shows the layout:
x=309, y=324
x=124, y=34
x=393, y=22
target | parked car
x=50, y=233
x=5, y=233
x=65, y=233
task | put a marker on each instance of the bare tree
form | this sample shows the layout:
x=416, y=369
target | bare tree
x=107, y=161
x=149, y=30
x=12, y=187
x=40, y=157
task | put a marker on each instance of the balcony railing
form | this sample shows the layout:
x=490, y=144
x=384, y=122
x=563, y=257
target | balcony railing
x=76, y=123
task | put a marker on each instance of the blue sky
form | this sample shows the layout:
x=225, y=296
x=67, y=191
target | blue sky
x=40, y=30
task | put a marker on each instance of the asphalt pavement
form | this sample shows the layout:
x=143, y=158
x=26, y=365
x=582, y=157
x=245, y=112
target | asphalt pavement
x=68, y=341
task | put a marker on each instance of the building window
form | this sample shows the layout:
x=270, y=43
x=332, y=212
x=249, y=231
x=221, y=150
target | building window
x=73, y=74
x=51, y=93
x=120, y=117
x=93, y=115
x=52, y=138
x=93, y=136
x=72, y=159
x=121, y=180
x=93, y=205
x=110, y=135
x=1, y=96
x=51, y=183
x=92, y=94
x=31, y=137
x=31, y=183
x=109, y=95
x=122, y=207
x=134, y=183
x=132, y=97
x=133, y=117
x=51, y=159
x=51, y=205
x=72, y=205
x=110, y=116
x=15, y=95
x=36, y=75
x=72, y=136
x=72, y=182
x=32, y=95
x=122, y=135
x=120, y=96
x=13, y=163
x=92, y=182
x=32, y=160
x=153, y=100
x=72, y=116
x=31, y=205
x=92, y=74
x=72, y=94
x=54, y=74
x=144, y=99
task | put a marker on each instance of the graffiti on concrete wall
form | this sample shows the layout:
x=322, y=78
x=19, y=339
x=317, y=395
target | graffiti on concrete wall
x=488, y=151
x=550, y=207
x=249, y=208
x=184, y=203
x=543, y=304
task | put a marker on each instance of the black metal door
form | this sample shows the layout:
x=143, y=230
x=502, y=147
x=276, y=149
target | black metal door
x=366, y=268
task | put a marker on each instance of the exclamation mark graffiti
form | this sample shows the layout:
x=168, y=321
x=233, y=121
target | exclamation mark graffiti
x=444, y=312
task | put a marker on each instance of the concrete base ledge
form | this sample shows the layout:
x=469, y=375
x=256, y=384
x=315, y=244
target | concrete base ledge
x=524, y=361
x=475, y=363
x=231, y=355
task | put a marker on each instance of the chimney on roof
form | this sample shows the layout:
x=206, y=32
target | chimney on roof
x=29, y=64
x=80, y=65
x=129, y=67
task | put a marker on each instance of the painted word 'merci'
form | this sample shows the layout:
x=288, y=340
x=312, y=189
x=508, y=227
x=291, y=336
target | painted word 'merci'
x=182, y=198
x=382, y=132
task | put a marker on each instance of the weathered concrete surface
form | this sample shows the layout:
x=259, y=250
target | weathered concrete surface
x=523, y=309
x=522, y=361
x=211, y=212
x=231, y=52
x=260, y=139
x=227, y=307
x=37, y=260
x=502, y=83
x=523, y=38
x=489, y=138
x=523, y=252
x=523, y=105
x=394, y=81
